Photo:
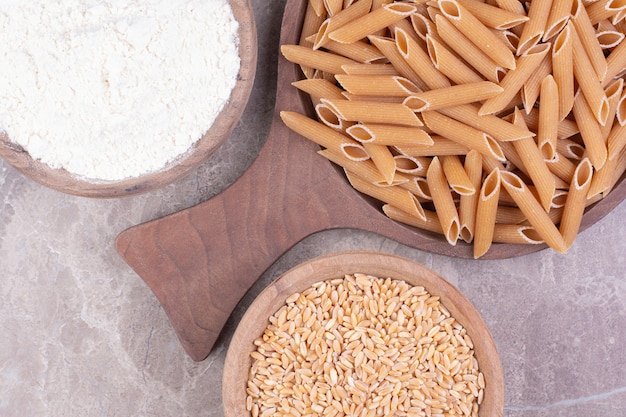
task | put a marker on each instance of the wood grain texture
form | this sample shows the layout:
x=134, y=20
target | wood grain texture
x=253, y=323
x=201, y=261
x=62, y=180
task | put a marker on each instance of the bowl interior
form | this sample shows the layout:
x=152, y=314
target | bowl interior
x=62, y=180
x=337, y=265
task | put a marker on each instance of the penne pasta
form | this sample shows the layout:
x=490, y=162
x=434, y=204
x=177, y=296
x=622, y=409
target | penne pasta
x=421, y=189
x=469, y=202
x=382, y=99
x=516, y=234
x=514, y=6
x=467, y=50
x=388, y=47
x=456, y=175
x=316, y=131
x=333, y=6
x=602, y=178
x=321, y=75
x=327, y=116
x=452, y=96
x=588, y=81
x=358, y=51
x=532, y=87
x=377, y=85
x=411, y=165
x=493, y=16
x=377, y=4
x=534, y=29
x=423, y=26
x=481, y=36
x=590, y=131
x=616, y=141
x=486, y=213
x=510, y=38
x=619, y=17
x=318, y=88
x=617, y=169
x=389, y=135
x=463, y=134
x=364, y=169
x=395, y=196
x=320, y=60
x=604, y=25
x=620, y=113
x=318, y=7
x=609, y=39
x=455, y=69
x=513, y=81
x=562, y=167
x=558, y=200
x=419, y=61
x=604, y=9
x=536, y=168
x=563, y=70
x=613, y=94
x=369, y=69
x=313, y=19
x=440, y=146
x=567, y=127
x=354, y=11
x=406, y=26
x=498, y=128
x=430, y=221
x=576, y=202
x=615, y=63
x=548, y=124
x=508, y=214
x=373, y=112
x=586, y=33
x=558, y=18
x=368, y=24
x=442, y=199
x=529, y=205
x=383, y=159
x=570, y=149
x=506, y=124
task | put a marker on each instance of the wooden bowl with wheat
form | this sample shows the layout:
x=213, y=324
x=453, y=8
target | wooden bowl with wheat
x=403, y=361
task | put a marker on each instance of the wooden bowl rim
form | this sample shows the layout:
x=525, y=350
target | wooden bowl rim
x=66, y=182
x=336, y=265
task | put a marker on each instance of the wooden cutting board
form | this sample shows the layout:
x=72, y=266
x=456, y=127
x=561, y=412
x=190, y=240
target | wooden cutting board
x=199, y=262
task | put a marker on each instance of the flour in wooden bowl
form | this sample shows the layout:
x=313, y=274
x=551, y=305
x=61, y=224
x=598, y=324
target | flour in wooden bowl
x=114, y=90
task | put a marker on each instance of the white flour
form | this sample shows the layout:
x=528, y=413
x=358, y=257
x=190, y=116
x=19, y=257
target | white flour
x=112, y=89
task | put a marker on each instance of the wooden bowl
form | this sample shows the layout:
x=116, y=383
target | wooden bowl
x=62, y=180
x=253, y=323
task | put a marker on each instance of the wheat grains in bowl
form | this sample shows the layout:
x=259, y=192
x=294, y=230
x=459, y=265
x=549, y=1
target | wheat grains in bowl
x=364, y=346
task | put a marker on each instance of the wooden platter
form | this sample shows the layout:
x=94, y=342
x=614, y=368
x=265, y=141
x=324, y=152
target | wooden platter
x=62, y=180
x=199, y=262
x=301, y=277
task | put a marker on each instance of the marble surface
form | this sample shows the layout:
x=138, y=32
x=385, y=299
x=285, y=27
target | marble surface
x=81, y=335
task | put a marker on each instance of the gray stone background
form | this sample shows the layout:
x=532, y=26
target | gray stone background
x=81, y=334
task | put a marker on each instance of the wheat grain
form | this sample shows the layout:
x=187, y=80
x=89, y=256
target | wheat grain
x=364, y=346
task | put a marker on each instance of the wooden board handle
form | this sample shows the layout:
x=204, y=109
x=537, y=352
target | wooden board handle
x=199, y=262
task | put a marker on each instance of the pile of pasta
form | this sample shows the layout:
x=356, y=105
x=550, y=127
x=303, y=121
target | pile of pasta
x=494, y=121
